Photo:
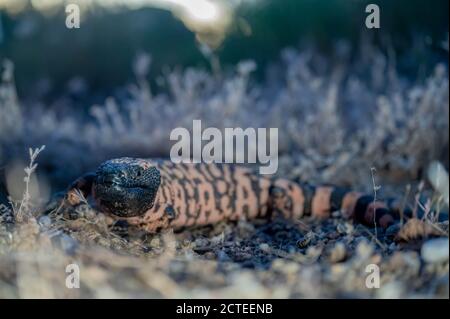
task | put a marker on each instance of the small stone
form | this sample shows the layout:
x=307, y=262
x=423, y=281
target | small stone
x=223, y=256
x=345, y=228
x=155, y=242
x=68, y=244
x=338, y=253
x=278, y=264
x=291, y=249
x=333, y=235
x=44, y=222
x=404, y=263
x=210, y=255
x=435, y=250
x=176, y=267
x=364, y=249
x=264, y=247
x=313, y=251
x=390, y=290
x=291, y=268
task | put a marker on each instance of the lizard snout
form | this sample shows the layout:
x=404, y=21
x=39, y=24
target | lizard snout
x=123, y=187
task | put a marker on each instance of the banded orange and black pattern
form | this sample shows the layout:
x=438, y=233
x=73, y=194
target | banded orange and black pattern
x=184, y=195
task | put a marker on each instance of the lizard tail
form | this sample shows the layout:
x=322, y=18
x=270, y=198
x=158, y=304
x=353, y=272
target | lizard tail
x=295, y=200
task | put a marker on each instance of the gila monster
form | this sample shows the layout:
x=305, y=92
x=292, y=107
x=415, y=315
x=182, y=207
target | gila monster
x=158, y=194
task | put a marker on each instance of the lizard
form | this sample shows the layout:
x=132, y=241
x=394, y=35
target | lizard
x=157, y=194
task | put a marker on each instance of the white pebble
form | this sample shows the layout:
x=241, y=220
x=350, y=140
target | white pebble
x=435, y=250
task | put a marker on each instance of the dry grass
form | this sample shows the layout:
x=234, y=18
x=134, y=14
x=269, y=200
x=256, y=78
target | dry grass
x=338, y=118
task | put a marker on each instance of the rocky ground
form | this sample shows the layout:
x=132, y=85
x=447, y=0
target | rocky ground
x=307, y=259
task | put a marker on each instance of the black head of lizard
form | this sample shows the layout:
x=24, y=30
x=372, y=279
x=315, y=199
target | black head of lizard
x=126, y=187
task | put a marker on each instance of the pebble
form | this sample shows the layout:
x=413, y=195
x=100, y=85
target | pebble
x=264, y=247
x=68, y=244
x=291, y=268
x=223, y=256
x=345, y=228
x=333, y=235
x=313, y=251
x=291, y=249
x=404, y=263
x=210, y=255
x=364, y=249
x=44, y=222
x=155, y=242
x=338, y=253
x=435, y=250
x=390, y=290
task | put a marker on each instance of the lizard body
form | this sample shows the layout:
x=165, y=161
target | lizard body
x=158, y=194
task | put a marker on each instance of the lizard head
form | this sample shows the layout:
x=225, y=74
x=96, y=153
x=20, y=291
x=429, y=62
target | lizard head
x=126, y=187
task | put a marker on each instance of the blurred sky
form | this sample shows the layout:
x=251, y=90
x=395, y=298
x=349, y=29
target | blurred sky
x=184, y=32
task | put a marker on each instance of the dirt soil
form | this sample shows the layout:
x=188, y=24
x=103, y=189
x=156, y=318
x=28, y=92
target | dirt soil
x=278, y=259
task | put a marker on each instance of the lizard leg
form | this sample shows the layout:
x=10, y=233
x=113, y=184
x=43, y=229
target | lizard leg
x=80, y=189
x=75, y=194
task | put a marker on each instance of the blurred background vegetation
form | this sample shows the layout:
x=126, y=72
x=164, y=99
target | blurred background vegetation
x=48, y=57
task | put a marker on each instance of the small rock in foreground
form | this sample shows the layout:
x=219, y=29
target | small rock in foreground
x=435, y=250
